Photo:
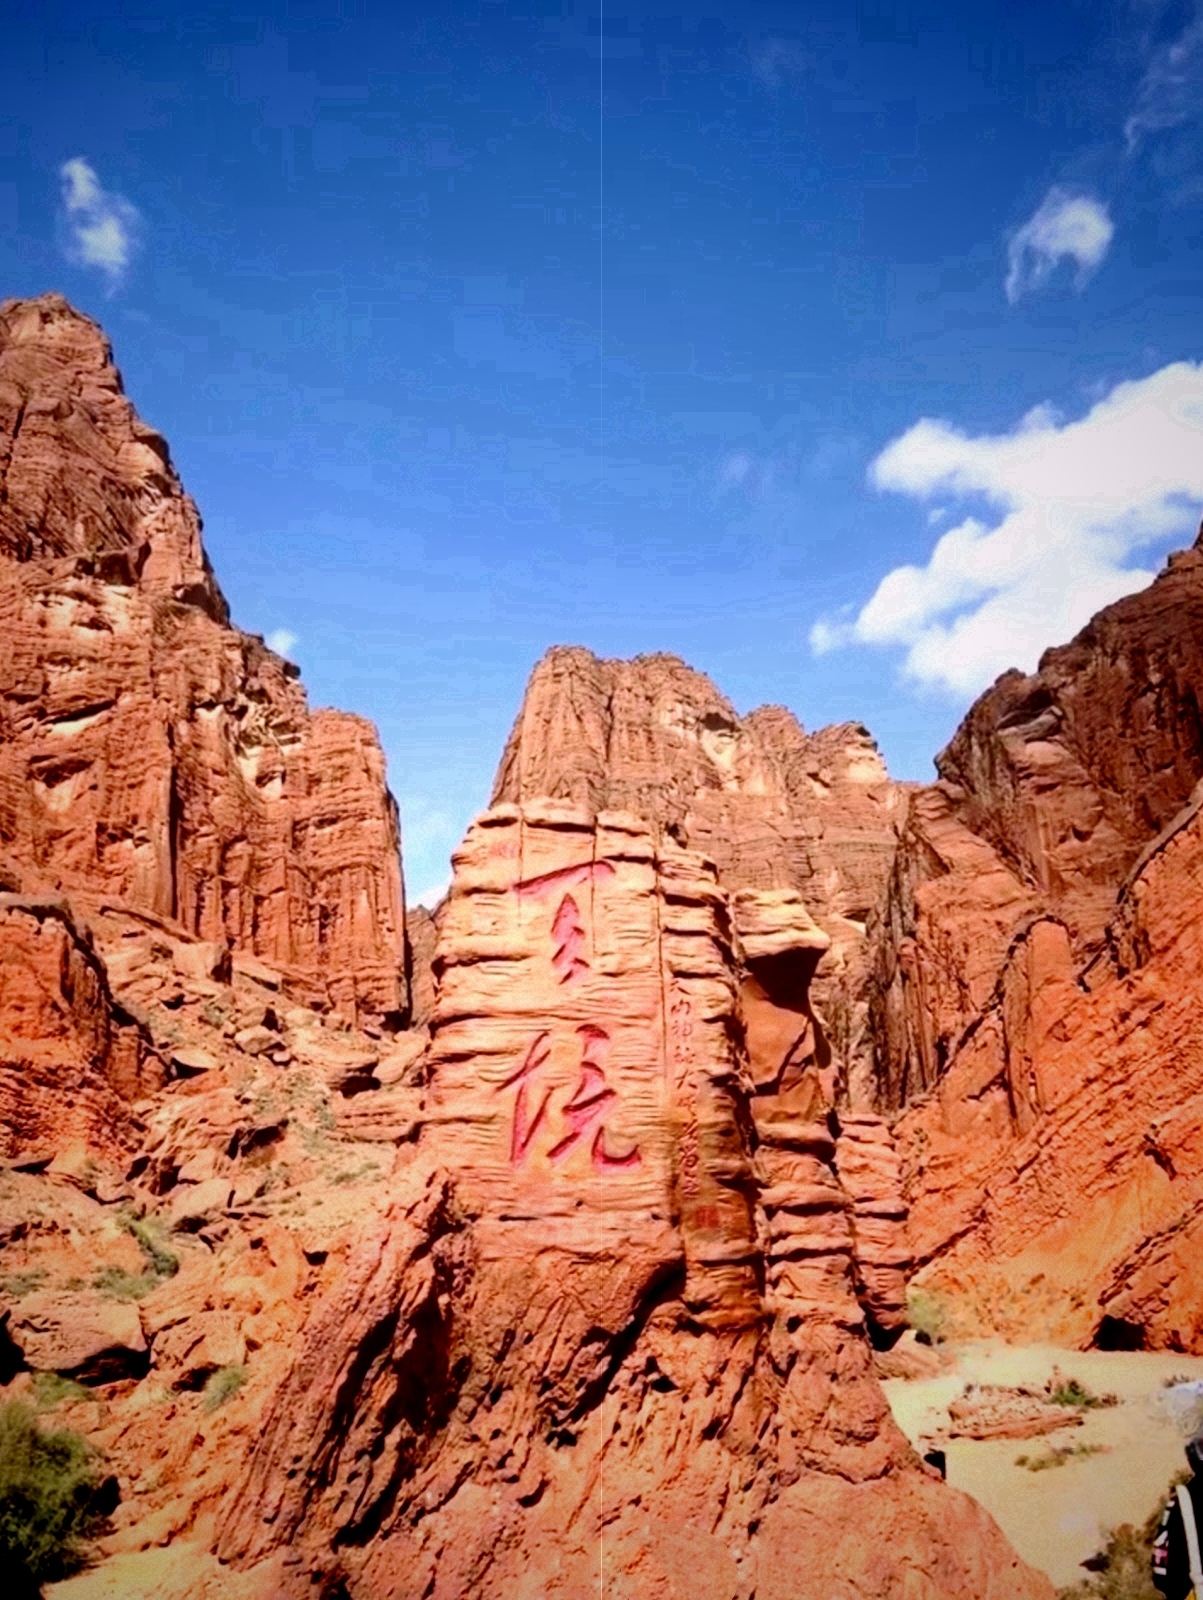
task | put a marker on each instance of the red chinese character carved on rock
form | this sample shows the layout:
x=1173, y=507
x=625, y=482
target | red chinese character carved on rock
x=568, y=933
x=680, y=1022
x=568, y=957
x=525, y=1125
x=563, y=878
x=585, y=1111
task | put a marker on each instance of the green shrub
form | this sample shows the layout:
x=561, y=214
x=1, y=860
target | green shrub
x=123, y=1285
x=50, y=1389
x=1070, y=1392
x=1123, y=1568
x=368, y=1170
x=222, y=1386
x=162, y=1261
x=1059, y=1454
x=47, y=1484
x=18, y=1284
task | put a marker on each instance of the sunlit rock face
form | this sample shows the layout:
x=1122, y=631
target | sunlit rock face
x=1035, y=980
x=614, y=1330
x=576, y=1300
x=584, y=1062
x=150, y=753
x=70, y=1062
x=774, y=807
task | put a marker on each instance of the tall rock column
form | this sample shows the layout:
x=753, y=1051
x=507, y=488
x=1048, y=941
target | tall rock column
x=618, y=1401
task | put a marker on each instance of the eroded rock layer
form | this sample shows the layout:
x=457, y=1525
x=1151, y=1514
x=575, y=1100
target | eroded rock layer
x=773, y=806
x=624, y=1352
x=70, y=1061
x=151, y=754
x=569, y=1290
x=1036, y=977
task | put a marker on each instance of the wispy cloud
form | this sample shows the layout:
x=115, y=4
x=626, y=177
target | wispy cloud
x=1170, y=90
x=101, y=226
x=1065, y=227
x=283, y=641
x=1077, y=500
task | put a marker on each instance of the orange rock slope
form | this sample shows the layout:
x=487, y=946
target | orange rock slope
x=151, y=755
x=1038, y=986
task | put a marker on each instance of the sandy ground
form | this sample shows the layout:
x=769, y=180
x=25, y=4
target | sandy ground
x=1058, y=1517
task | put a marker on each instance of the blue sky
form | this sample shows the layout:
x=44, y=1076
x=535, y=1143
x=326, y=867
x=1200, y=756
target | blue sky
x=850, y=351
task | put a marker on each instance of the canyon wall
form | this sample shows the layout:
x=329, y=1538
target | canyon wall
x=623, y=1352
x=1035, y=980
x=151, y=755
x=577, y=1282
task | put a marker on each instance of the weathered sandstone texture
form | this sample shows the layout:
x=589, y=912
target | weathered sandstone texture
x=607, y=1339
x=771, y=805
x=1038, y=981
x=151, y=754
x=70, y=1061
x=568, y=1289
x=164, y=1253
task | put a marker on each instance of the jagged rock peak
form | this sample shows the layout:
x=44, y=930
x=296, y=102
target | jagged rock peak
x=775, y=807
x=1037, y=987
x=80, y=474
x=150, y=753
x=653, y=736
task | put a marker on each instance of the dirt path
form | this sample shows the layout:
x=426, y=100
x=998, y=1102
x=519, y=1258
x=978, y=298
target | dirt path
x=1057, y=1517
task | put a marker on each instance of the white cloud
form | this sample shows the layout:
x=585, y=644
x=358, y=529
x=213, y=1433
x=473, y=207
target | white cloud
x=283, y=641
x=736, y=469
x=1065, y=227
x=101, y=226
x=1075, y=501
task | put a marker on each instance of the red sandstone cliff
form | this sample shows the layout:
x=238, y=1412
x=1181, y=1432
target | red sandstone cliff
x=773, y=806
x=608, y=1337
x=584, y=1290
x=150, y=753
x=1037, y=984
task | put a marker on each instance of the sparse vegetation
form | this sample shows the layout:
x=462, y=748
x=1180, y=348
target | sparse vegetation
x=17, y=1284
x=122, y=1285
x=48, y=1482
x=927, y=1314
x=1071, y=1392
x=1059, y=1454
x=1122, y=1569
x=164, y=1263
x=51, y=1389
x=366, y=1173
x=222, y=1386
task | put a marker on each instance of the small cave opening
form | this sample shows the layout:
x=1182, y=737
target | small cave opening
x=1116, y=1333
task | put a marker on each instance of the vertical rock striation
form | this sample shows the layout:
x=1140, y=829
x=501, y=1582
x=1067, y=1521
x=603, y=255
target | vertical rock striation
x=645, y=1365
x=70, y=1062
x=150, y=753
x=773, y=807
x=1035, y=971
